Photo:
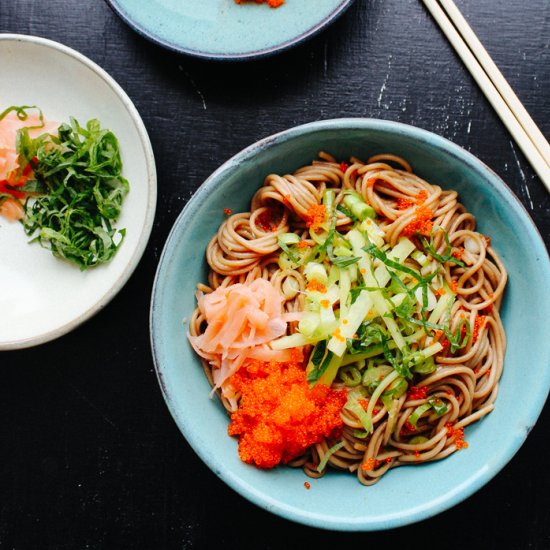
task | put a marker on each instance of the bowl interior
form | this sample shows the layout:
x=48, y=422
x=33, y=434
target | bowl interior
x=39, y=69
x=221, y=29
x=405, y=494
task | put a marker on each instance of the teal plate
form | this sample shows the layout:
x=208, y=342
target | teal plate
x=410, y=493
x=222, y=29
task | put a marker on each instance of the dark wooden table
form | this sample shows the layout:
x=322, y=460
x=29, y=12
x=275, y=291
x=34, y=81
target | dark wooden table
x=90, y=457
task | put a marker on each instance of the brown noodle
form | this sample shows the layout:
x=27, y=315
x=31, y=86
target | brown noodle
x=466, y=381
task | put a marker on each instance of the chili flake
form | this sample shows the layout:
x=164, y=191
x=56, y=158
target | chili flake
x=227, y=211
x=344, y=166
x=307, y=484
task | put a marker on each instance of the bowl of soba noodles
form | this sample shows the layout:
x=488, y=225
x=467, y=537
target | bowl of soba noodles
x=341, y=324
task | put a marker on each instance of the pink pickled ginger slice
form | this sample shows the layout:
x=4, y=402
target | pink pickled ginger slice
x=241, y=320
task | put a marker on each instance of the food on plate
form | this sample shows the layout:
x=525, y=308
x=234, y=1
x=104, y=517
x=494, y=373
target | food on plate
x=270, y=3
x=64, y=183
x=351, y=319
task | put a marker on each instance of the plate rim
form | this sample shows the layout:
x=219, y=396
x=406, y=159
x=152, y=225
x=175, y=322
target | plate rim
x=151, y=183
x=243, y=56
x=472, y=484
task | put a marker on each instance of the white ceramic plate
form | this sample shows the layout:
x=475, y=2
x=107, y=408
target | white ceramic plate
x=43, y=297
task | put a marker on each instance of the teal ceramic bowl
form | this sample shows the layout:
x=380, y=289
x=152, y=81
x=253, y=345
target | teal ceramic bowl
x=407, y=494
x=223, y=29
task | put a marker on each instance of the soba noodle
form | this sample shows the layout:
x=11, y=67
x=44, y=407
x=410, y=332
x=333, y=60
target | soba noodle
x=465, y=382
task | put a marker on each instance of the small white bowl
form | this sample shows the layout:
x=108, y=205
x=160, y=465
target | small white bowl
x=43, y=297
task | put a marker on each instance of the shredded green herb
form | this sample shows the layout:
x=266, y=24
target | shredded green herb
x=430, y=249
x=80, y=172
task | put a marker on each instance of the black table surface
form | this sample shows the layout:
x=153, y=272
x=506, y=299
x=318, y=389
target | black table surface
x=90, y=456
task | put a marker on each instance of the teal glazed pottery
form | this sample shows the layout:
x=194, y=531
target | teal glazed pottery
x=407, y=494
x=223, y=29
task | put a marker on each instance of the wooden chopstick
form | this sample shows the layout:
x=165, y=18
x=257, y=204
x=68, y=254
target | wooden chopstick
x=500, y=96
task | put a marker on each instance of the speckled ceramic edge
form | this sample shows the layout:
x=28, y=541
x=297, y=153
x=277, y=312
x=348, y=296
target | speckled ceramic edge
x=151, y=184
x=251, y=55
x=262, y=500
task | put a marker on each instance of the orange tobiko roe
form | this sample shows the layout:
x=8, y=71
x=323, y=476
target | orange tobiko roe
x=422, y=222
x=279, y=415
x=315, y=216
x=270, y=3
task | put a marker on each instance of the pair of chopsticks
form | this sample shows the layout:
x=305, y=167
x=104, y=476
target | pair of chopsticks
x=495, y=87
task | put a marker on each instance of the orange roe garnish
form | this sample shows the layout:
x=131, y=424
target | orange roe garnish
x=457, y=434
x=371, y=182
x=363, y=271
x=458, y=253
x=338, y=335
x=315, y=216
x=315, y=285
x=227, y=211
x=307, y=484
x=416, y=393
x=344, y=166
x=422, y=197
x=302, y=244
x=407, y=429
x=479, y=323
x=270, y=3
x=403, y=204
x=439, y=292
x=368, y=465
x=324, y=303
x=454, y=285
x=364, y=403
x=266, y=220
x=279, y=416
x=422, y=222
x=345, y=321
x=296, y=355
